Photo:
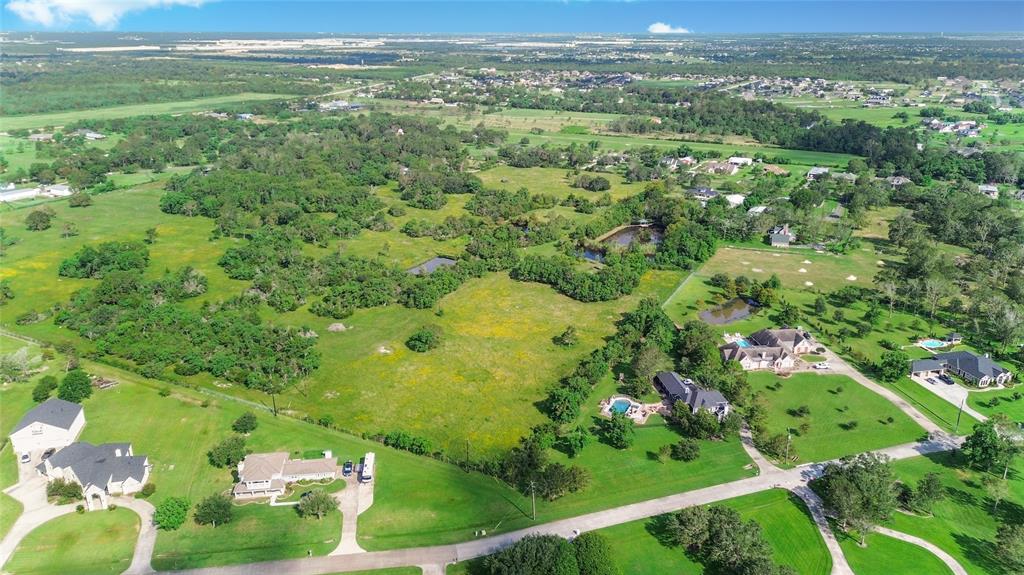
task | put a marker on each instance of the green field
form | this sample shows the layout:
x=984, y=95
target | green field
x=1008, y=401
x=95, y=543
x=62, y=118
x=830, y=409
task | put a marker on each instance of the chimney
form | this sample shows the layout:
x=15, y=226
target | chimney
x=117, y=452
x=327, y=454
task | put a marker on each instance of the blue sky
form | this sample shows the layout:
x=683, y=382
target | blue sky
x=539, y=16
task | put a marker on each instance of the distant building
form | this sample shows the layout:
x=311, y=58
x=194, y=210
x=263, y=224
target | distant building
x=990, y=190
x=696, y=397
x=815, y=173
x=897, y=181
x=702, y=194
x=776, y=170
x=40, y=137
x=781, y=236
x=741, y=161
x=52, y=424
x=720, y=168
x=101, y=470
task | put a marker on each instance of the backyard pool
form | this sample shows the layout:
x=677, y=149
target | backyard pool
x=621, y=405
x=742, y=343
x=931, y=343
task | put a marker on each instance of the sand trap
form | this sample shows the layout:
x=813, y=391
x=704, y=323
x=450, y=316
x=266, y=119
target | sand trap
x=745, y=263
x=756, y=270
x=819, y=251
x=336, y=327
x=385, y=350
x=802, y=270
x=851, y=278
x=808, y=284
x=806, y=262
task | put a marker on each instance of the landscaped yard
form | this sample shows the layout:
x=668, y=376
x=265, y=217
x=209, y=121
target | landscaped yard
x=887, y=556
x=844, y=422
x=95, y=543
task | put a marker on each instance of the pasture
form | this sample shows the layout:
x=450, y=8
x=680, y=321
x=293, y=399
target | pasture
x=32, y=121
x=843, y=418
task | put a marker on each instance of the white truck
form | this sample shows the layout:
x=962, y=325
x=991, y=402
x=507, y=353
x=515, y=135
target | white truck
x=366, y=473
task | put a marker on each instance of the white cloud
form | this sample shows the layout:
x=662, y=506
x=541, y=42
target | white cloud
x=663, y=28
x=102, y=13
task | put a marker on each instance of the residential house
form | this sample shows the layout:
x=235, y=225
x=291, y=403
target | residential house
x=977, y=369
x=101, y=470
x=757, y=210
x=735, y=200
x=990, y=190
x=776, y=349
x=721, y=168
x=702, y=194
x=815, y=173
x=776, y=170
x=741, y=161
x=953, y=338
x=781, y=236
x=696, y=397
x=267, y=474
x=897, y=181
x=52, y=424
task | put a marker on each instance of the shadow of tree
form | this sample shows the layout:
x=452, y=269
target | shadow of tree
x=659, y=527
x=980, y=552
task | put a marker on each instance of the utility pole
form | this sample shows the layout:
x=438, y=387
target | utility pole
x=533, y=496
x=958, y=414
x=789, y=439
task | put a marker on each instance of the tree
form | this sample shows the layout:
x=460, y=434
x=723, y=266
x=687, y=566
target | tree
x=568, y=338
x=997, y=489
x=44, y=387
x=576, y=440
x=317, y=503
x=150, y=235
x=80, y=200
x=228, y=453
x=648, y=362
x=534, y=555
x=424, y=339
x=246, y=423
x=171, y=513
x=894, y=365
x=76, y=387
x=820, y=306
x=686, y=450
x=929, y=490
x=859, y=490
x=38, y=220
x=619, y=431
x=986, y=448
x=214, y=510
x=594, y=555
x=1010, y=546
x=68, y=230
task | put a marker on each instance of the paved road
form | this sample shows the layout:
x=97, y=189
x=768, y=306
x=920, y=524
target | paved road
x=946, y=558
x=791, y=479
x=841, y=367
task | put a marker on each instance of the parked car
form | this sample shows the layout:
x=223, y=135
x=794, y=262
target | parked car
x=346, y=469
x=822, y=365
x=48, y=453
x=932, y=381
x=946, y=379
x=25, y=457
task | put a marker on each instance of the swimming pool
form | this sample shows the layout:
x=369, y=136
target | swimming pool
x=621, y=405
x=931, y=343
x=742, y=343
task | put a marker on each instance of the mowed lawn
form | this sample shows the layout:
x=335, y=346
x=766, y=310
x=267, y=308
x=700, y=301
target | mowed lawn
x=963, y=524
x=95, y=543
x=832, y=431
x=61, y=118
x=887, y=556
x=783, y=518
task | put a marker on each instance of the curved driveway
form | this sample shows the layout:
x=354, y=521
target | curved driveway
x=946, y=558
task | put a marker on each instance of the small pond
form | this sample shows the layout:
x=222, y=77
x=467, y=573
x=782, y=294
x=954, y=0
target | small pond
x=634, y=234
x=730, y=311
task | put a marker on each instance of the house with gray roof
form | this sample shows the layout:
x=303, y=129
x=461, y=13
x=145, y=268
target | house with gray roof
x=102, y=470
x=781, y=236
x=816, y=172
x=52, y=424
x=677, y=389
x=977, y=369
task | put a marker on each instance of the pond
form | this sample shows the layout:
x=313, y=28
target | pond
x=730, y=311
x=645, y=234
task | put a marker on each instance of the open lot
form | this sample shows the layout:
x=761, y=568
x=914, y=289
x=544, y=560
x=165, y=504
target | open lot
x=835, y=403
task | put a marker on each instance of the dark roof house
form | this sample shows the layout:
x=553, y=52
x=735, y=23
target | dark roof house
x=781, y=236
x=692, y=394
x=55, y=412
x=977, y=368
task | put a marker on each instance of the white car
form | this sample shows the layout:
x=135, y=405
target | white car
x=26, y=457
x=822, y=365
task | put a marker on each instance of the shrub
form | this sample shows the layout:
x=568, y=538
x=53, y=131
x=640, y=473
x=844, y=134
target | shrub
x=41, y=392
x=246, y=423
x=686, y=450
x=594, y=555
x=38, y=220
x=165, y=392
x=317, y=503
x=148, y=489
x=424, y=339
x=80, y=200
x=79, y=509
x=171, y=513
x=64, y=491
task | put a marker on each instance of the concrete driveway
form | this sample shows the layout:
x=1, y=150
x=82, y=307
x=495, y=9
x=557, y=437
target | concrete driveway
x=955, y=394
